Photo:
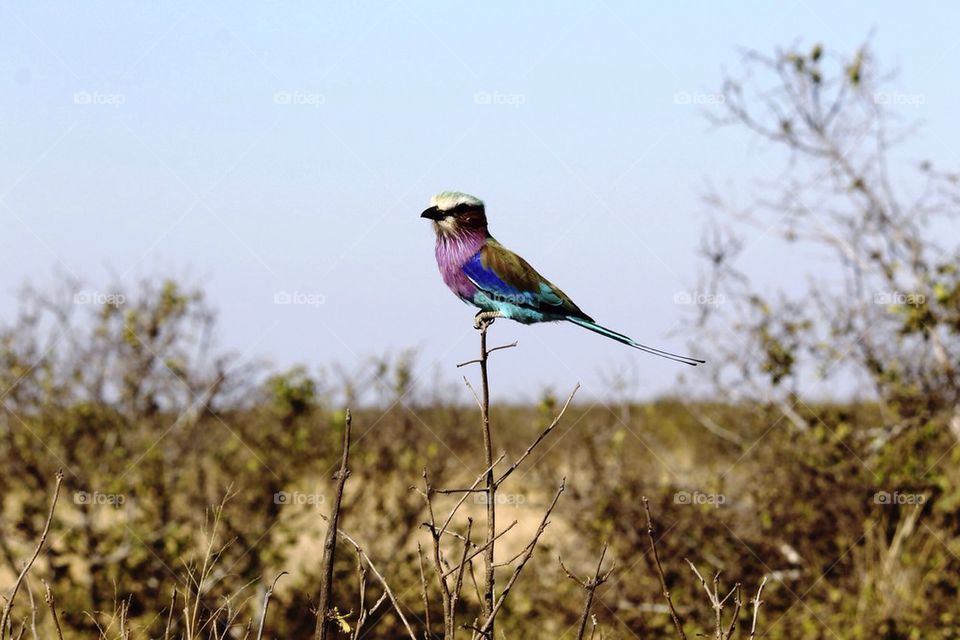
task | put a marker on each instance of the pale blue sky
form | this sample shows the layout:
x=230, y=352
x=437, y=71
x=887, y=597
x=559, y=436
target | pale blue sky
x=279, y=146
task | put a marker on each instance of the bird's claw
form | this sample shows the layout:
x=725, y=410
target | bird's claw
x=484, y=319
x=479, y=323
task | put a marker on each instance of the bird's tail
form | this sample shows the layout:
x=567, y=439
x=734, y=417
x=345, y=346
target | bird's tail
x=619, y=337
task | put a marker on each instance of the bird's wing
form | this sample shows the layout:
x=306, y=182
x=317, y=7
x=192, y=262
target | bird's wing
x=501, y=273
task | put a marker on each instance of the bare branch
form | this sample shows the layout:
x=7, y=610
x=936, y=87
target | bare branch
x=487, y=628
x=489, y=351
x=757, y=602
x=330, y=544
x=173, y=604
x=266, y=603
x=677, y=623
x=383, y=582
x=590, y=586
x=48, y=597
x=539, y=439
x=458, y=583
x=4, y=619
x=482, y=548
x=486, y=472
x=423, y=594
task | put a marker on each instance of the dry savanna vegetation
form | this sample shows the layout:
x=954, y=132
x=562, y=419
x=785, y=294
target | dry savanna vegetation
x=154, y=486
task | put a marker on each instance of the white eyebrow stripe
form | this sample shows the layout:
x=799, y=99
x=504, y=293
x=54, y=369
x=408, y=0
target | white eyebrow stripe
x=446, y=200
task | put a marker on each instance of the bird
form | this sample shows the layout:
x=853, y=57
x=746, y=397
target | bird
x=484, y=273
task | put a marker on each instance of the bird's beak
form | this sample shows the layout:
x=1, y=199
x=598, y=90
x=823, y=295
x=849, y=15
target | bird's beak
x=432, y=213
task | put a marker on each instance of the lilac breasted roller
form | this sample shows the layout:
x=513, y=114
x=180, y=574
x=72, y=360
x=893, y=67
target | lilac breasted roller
x=484, y=273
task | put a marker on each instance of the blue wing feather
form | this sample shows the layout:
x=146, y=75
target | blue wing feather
x=488, y=281
x=508, y=284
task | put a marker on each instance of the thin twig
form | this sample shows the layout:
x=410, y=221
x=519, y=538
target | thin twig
x=266, y=603
x=590, y=586
x=717, y=603
x=366, y=614
x=474, y=392
x=48, y=597
x=509, y=562
x=737, y=604
x=711, y=595
x=435, y=536
x=173, y=604
x=423, y=593
x=476, y=585
x=489, y=351
x=454, y=491
x=362, y=591
x=757, y=602
x=383, y=582
x=479, y=479
x=26, y=568
x=481, y=549
x=33, y=611
x=677, y=623
x=458, y=583
x=330, y=544
x=543, y=434
x=487, y=628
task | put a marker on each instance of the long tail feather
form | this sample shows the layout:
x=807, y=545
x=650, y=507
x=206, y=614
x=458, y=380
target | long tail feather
x=619, y=337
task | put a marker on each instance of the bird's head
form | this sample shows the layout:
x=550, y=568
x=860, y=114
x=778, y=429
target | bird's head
x=453, y=212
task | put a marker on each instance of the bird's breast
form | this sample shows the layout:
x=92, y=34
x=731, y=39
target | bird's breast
x=453, y=251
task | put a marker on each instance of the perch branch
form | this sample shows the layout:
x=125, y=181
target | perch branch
x=483, y=400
